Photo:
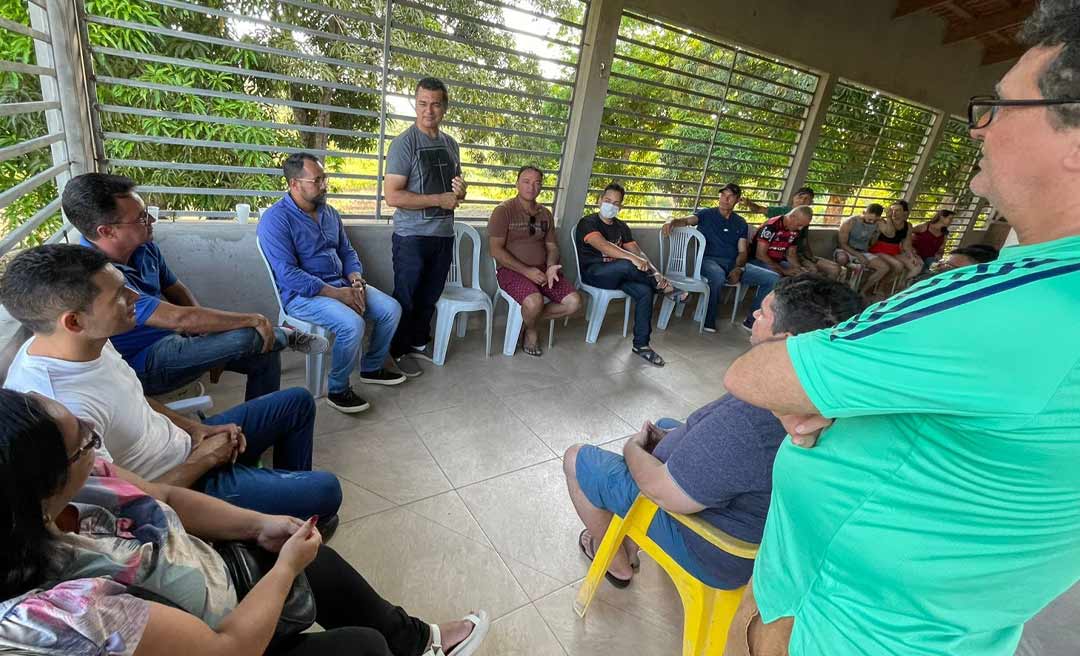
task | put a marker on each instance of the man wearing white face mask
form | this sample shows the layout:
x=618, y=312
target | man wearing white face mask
x=611, y=259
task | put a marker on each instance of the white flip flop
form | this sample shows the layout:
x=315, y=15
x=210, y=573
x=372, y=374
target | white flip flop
x=469, y=645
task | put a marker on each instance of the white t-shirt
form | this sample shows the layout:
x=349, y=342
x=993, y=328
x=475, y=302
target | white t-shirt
x=107, y=393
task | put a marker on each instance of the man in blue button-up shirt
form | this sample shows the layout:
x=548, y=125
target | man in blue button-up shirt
x=175, y=340
x=320, y=279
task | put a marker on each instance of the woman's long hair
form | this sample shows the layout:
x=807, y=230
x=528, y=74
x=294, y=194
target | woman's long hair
x=33, y=466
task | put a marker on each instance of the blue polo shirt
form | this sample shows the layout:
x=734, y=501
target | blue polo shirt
x=146, y=273
x=304, y=255
x=722, y=235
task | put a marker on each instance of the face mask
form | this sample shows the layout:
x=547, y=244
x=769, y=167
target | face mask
x=608, y=210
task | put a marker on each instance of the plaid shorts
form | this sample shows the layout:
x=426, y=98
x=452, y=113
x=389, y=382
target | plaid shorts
x=520, y=287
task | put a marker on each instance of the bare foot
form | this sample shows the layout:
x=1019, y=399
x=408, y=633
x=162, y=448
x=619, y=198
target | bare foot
x=532, y=338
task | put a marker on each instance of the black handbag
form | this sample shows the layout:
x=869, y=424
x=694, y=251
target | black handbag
x=247, y=563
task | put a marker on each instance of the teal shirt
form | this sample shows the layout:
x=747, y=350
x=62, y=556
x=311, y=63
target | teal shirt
x=941, y=511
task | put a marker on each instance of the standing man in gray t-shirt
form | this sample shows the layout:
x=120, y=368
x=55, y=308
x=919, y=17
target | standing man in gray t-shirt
x=423, y=182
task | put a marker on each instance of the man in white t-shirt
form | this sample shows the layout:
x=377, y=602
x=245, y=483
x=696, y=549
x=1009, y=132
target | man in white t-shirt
x=74, y=300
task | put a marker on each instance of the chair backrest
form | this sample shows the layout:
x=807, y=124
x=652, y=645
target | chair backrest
x=454, y=277
x=679, y=247
x=270, y=273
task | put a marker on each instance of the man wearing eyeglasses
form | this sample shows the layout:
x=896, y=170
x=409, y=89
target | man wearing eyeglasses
x=320, y=279
x=175, y=340
x=938, y=518
x=521, y=233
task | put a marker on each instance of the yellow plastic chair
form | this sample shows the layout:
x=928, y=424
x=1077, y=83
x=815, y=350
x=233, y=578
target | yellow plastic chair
x=708, y=611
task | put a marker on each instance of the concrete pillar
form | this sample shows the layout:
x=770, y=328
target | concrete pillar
x=815, y=118
x=586, y=113
x=65, y=54
x=932, y=142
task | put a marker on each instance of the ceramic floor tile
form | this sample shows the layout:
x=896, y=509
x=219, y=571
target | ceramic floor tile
x=431, y=571
x=479, y=441
x=521, y=633
x=522, y=373
x=529, y=518
x=651, y=596
x=356, y=502
x=438, y=389
x=535, y=584
x=562, y=416
x=388, y=459
x=384, y=408
x=604, y=629
x=449, y=511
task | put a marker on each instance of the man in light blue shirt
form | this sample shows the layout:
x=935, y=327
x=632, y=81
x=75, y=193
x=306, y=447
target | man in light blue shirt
x=320, y=279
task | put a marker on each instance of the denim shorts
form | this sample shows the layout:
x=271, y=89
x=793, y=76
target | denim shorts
x=606, y=481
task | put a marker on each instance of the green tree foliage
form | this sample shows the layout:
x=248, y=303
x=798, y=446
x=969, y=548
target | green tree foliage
x=20, y=88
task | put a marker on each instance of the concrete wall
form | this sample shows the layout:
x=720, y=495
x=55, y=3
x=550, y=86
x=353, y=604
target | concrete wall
x=220, y=264
x=854, y=39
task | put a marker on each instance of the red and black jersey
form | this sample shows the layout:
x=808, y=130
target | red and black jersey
x=779, y=238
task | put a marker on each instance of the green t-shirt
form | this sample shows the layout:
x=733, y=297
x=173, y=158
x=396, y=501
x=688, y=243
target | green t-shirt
x=942, y=509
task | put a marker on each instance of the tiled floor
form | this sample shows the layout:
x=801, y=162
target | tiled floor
x=454, y=492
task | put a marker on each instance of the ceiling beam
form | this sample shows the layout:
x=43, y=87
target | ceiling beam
x=1002, y=54
x=989, y=23
x=905, y=7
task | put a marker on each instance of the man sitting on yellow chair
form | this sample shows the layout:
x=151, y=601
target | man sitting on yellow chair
x=718, y=465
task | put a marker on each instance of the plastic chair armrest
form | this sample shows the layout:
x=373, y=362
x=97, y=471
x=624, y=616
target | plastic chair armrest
x=191, y=406
x=716, y=537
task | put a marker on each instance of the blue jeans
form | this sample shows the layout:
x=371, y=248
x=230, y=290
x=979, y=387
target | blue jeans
x=420, y=268
x=176, y=360
x=348, y=328
x=638, y=285
x=283, y=420
x=606, y=482
x=762, y=277
x=715, y=271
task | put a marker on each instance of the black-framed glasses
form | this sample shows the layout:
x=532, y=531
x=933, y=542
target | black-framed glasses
x=143, y=219
x=90, y=439
x=982, y=109
x=533, y=226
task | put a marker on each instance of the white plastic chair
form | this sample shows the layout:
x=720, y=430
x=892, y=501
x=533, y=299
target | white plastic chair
x=513, y=317
x=682, y=276
x=456, y=298
x=598, y=302
x=317, y=366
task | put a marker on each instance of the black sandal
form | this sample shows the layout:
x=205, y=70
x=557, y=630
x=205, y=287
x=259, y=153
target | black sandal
x=612, y=579
x=650, y=356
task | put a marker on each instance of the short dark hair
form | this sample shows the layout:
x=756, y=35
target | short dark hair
x=808, y=302
x=529, y=167
x=1057, y=23
x=89, y=200
x=902, y=203
x=294, y=165
x=942, y=214
x=732, y=187
x=981, y=253
x=614, y=186
x=42, y=283
x=875, y=208
x=433, y=84
x=805, y=190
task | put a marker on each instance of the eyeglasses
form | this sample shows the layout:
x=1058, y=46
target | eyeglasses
x=982, y=109
x=543, y=226
x=144, y=219
x=320, y=181
x=91, y=442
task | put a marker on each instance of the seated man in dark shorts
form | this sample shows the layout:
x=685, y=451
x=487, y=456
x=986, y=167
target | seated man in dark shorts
x=718, y=465
x=522, y=239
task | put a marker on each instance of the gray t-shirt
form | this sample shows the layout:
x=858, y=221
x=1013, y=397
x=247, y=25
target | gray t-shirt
x=430, y=165
x=723, y=459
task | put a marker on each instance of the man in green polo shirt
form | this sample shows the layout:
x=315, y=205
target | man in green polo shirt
x=940, y=516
